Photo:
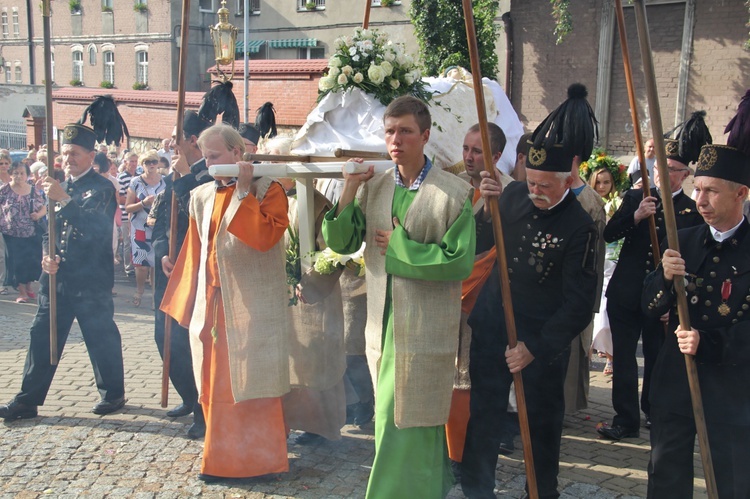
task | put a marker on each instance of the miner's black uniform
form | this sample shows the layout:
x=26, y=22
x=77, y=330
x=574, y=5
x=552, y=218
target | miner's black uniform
x=626, y=320
x=718, y=293
x=553, y=282
x=84, y=292
x=181, y=362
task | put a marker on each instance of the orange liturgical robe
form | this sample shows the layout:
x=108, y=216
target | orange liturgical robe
x=458, y=418
x=247, y=438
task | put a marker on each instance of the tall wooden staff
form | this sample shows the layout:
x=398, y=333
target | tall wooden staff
x=510, y=322
x=636, y=126
x=366, y=22
x=173, y=199
x=51, y=236
x=669, y=221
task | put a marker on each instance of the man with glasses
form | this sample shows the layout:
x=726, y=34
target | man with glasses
x=627, y=321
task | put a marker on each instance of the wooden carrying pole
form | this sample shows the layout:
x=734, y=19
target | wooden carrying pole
x=510, y=322
x=669, y=221
x=366, y=21
x=636, y=127
x=173, y=199
x=51, y=232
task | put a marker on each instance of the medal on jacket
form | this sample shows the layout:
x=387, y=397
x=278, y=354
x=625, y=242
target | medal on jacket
x=726, y=290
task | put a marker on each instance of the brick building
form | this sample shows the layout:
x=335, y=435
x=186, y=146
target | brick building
x=698, y=56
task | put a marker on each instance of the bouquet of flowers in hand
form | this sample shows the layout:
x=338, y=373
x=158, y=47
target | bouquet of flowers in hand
x=328, y=261
x=599, y=159
x=373, y=63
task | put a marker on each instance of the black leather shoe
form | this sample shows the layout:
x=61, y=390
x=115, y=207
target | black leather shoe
x=363, y=413
x=506, y=446
x=196, y=431
x=209, y=478
x=108, y=406
x=16, y=410
x=305, y=438
x=180, y=410
x=618, y=432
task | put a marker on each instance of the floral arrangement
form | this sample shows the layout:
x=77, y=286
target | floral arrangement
x=370, y=61
x=328, y=261
x=599, y=159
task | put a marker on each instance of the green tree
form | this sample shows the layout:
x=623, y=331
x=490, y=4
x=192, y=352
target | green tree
x=441, y=31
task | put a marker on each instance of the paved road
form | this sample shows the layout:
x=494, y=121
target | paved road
x=68, y=452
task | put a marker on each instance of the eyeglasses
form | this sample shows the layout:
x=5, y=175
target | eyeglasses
x=674, y=170
x=151, y=162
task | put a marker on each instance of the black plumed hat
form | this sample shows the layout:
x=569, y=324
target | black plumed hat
x=732, y=161
x=265, y=120
x=568, y=131
x=220, y=100
x=684, y=141
x=106, y=121
x=249, y=132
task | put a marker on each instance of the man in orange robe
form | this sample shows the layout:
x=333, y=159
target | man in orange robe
x=229, y=288
x=455, y=429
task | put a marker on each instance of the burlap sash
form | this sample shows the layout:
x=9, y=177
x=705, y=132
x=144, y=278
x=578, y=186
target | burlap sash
x=426, y=313
x=255, y=305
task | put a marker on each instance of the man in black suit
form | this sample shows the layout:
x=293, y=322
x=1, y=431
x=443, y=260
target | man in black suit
x=714, y=260
x=188, y=161
x=550, y=242
x=84, y=270
x=626, y=320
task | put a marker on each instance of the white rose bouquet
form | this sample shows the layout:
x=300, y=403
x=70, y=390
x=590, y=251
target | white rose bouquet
x=370, y=61
x=328, y=261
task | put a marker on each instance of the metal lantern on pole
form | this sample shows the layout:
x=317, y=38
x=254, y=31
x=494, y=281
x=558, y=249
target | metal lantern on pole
x=224, y=37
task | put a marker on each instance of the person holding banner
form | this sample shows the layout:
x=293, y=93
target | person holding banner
x=714, y=260
x=228, y=287
x=418, y=225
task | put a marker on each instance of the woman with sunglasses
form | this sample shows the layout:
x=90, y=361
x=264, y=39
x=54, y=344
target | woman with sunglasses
x=140, y=197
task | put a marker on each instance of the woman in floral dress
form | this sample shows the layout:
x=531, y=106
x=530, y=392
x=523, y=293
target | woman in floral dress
x=20, y=208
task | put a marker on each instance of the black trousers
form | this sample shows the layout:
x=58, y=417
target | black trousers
x=181, y=360
x=490, y=387
x=627, y=327
x=670, y=470
x=94, y=313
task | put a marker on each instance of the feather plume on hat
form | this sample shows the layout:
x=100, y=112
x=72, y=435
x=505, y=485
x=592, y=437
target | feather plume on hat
x=220, y=99
x=739, y=126
x=572, y=125
x=106, y=120
x=689, y=136
x=265, y=120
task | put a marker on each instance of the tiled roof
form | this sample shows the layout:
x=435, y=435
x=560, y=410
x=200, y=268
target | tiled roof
x=192, y=99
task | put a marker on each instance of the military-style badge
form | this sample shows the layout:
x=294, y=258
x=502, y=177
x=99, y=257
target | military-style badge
x=70, y=132
x=537, y=156
x=87, y=194
x=707, y=159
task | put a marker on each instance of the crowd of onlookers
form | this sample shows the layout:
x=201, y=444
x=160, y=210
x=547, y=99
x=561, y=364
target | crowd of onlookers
x=137, y=178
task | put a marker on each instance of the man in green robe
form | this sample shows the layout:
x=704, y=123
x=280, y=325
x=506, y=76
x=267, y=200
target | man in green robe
x=418, y=227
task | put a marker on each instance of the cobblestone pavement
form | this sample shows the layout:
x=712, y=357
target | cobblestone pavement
x=139, y=452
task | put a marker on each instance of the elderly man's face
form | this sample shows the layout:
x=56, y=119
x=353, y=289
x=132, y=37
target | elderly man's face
x=677, y=175
x=546, y=189
x=76, y=159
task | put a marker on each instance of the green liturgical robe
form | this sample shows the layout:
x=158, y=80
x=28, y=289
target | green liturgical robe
x=411, y=458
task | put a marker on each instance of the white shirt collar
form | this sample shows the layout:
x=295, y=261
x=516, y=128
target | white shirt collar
x=73, y=178
x=723, y=236
x=565, y=194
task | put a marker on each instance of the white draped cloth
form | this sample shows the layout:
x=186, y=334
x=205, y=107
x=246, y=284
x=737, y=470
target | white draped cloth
x=354, y=120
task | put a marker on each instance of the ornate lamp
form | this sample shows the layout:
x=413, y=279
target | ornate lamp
x=224, y=37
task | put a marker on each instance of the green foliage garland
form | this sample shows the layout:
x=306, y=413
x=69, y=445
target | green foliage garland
x=441, y=32
x=563, y=19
